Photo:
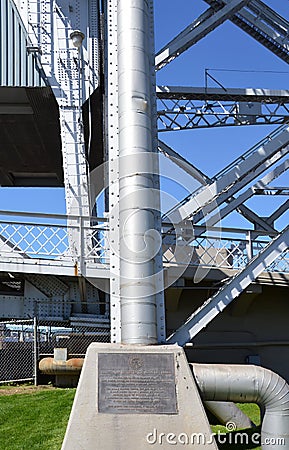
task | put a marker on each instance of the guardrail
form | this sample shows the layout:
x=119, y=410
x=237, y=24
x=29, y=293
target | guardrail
x=225, y=248
x=46, y=236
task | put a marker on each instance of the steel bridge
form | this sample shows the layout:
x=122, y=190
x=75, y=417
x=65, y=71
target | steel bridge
x=59, y=127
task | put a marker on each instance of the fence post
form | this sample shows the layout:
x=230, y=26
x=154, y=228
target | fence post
x=35, y=352
x=249, y=246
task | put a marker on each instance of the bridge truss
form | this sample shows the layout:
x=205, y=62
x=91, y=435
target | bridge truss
x=74, y=258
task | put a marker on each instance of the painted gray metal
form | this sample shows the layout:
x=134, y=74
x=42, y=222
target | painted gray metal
x=19, y=66
x=241, y=199
x=253, y=16
x=216, y=304
x=186, y=108
x=112, y=157
x=228, y=94
x=196, y=31
x=263, y=24
x=237, y=175
x=181, y=162
x=227, y=412
x=250, y=384
x=138, y=241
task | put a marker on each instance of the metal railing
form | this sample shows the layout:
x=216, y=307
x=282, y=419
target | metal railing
x=225, y=248
x=47, y=236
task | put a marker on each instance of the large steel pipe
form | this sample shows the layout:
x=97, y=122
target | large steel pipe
x=227, y=412
x=245, y=384
x=139, y=240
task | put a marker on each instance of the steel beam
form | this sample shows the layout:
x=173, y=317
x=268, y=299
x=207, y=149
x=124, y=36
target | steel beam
x=238, y=202
x=272, y=190
x=223, y=94
x=51, y=267
x=233, y=178
x=183, y=108
x=112, y=159
x=216, y=304
x=181, y=162
x=262, y=23
x=196, y=31
x=279, y=212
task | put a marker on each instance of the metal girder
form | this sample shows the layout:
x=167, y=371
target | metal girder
x=262, y=223
x=262, y=23
x=182, y=108
x=238, y=203
x=255, y=219
x=20, y=65
x=112, y=157
x=73, y=73
x=223, y=94
x=51, y=267
x=181, y=162
x=272, y=190
x=233, y=178
x=254, y=17
x=218, y=302
x=197, y=30
x=228, y=192
x=279, y=212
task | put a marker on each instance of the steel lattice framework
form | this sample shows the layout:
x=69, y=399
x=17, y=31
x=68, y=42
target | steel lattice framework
x=85, y=247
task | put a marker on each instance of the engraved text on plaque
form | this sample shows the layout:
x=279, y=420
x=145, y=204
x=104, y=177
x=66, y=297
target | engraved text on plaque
x=136, y=383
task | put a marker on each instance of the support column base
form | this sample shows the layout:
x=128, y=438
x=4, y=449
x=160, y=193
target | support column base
x=141, y=397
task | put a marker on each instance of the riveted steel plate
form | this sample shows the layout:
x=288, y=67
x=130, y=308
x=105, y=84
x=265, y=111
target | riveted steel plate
x=136, y=383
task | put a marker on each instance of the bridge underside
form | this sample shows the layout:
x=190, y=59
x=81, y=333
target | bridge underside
x=30, y=136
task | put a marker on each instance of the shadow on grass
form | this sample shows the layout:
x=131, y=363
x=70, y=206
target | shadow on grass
x=240, y=439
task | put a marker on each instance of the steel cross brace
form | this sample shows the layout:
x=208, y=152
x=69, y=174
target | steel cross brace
x=196, y=31
x=253, y=16
x=218, y=302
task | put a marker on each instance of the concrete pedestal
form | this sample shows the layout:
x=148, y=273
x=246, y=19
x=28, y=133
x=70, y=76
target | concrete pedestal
x=133, y=397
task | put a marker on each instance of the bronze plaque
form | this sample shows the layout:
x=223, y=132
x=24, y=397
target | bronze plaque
x=136, y=383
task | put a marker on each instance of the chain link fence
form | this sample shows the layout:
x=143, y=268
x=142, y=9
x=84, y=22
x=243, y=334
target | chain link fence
x=17, y=351
x=24, y=343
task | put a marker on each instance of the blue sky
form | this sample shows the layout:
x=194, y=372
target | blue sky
x=225, y=48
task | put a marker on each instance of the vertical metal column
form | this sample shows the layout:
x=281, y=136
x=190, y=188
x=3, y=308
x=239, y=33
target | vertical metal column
x=139, y=240
x=112, y=158
x=159, y=274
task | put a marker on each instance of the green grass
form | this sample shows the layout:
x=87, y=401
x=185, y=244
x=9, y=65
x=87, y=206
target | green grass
x=248, y=440
x=34, y=421
x=37, y=420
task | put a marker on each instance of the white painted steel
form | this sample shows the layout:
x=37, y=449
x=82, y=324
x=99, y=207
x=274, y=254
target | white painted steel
x=241, y=94
x=183, y=163
x=235, y=203
x=14, y=41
